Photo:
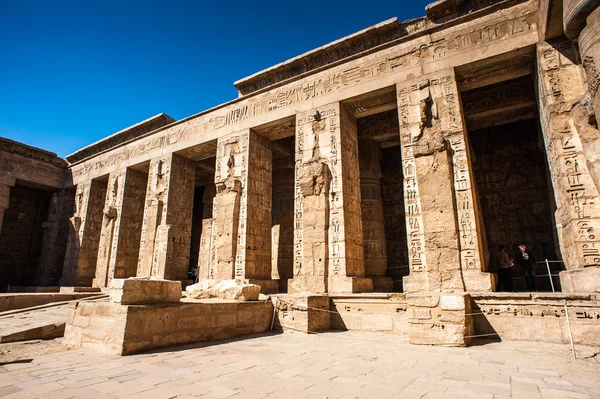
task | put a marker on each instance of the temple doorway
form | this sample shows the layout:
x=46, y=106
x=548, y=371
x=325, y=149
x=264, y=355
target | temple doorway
x=510, y=168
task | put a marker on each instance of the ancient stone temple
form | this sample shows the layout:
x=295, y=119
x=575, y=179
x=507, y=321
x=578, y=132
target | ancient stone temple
x=396, y=159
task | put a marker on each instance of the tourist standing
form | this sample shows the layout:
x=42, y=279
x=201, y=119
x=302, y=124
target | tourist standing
x=504, y=270
x=526, y=260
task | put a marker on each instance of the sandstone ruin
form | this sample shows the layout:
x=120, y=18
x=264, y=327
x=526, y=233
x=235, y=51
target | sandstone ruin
x=385, y=167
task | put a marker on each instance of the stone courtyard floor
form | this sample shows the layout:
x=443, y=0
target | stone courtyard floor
x=332, y=365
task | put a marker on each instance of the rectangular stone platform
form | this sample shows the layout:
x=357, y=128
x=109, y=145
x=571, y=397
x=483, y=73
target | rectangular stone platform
x=127, y=329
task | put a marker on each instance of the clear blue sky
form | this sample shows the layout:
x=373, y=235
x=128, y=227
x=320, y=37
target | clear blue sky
x=72, y=72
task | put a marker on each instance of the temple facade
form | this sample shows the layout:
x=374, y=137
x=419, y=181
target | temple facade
x=396, y=159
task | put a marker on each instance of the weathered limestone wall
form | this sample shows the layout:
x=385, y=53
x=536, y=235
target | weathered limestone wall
x=538, y=317
x=121, y=226
x=373, y=224
x=30, y=165
x=21, y=235
x=84, y=235
x=167, y=226
x=445, y=246
x=561, y=86
x=328, y=254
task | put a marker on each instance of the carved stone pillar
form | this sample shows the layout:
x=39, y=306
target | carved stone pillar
x=242, y=210
x=206, y=236
x=55, y=233
x=561, y=85
x=589, y=43
x=5, y=184
x=328, y=242
x=443, y=227
x=121, y=226
x=167, y=225
x=82, y=245
x=374, y=240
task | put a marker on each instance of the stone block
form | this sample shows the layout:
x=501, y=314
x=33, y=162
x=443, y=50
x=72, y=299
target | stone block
x=266, y=286
x=440, y=319
x=581, y=280
x=339, y=284
x=452, y=302
x=302, y=313
x=225, y=289
x=142, y=291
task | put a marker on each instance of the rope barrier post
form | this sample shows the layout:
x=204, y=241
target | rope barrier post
x=570, y=333
x=550, y=275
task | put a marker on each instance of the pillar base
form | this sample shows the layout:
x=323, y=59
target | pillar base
x=585, y=280
x=266, y=286
x=350, y=285
x=382, y=284
x=302, y=313
x=478, y=281
x=440, y=319
x=474, y=281
x=313, y=284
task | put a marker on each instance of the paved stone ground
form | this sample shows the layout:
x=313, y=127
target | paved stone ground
x=333, y=365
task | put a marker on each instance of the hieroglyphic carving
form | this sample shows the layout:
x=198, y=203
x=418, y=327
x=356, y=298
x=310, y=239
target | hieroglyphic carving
x=575, y=192
x=463, y=190
x=434, y=146
x=389, y=61
x=412, y=204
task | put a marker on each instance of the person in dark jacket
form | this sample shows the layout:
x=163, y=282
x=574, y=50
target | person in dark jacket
x=504, y=270
x=526, y=261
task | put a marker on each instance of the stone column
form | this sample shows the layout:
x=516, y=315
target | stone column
x=55, y=233
x=167, y=225
x=206, y=236
x=443, y=227
x=561, y=86
x=82, y=245
x=374, y=240
x=589, y=43
x=121, y=226
x=328, y=242
x=6, y=183
x=242, y=210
